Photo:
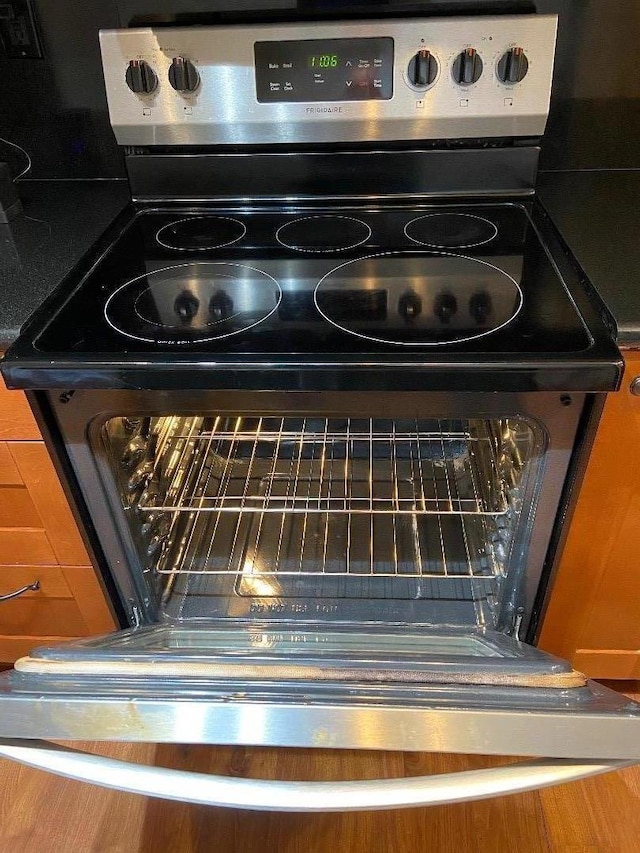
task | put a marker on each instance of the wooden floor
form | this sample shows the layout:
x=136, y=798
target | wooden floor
x=40, y=813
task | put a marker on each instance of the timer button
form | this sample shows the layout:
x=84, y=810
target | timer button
x=422, y=69
x=467, y=68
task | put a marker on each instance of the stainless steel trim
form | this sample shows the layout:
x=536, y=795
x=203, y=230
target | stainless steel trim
x=578, y=723
x=225, y=109
x=634, y=387
x=269, y=795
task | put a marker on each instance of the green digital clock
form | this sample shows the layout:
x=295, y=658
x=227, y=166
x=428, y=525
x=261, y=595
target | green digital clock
x=323, y=60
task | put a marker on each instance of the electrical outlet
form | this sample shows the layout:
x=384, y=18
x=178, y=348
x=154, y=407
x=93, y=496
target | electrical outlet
x=18, y=31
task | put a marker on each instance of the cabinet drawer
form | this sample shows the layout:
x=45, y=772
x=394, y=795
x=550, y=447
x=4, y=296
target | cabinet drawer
x=16, y=419
x=48, y=610
x=25, y=547
x=53, y=583
x=9, y=474
x=17, y=509
x=36, y=616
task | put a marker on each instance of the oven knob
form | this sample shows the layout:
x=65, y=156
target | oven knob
x=467, y=67
x=423, y=69
x=141, y=77
x=513, y=66
x=186, y=306
x=409, y=306
x=445, y=306
x=480, y=306
x=220, y=306
x=183, y=75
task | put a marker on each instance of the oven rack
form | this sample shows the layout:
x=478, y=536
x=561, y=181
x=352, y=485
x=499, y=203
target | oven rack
x=451, y=550
x=315, y=465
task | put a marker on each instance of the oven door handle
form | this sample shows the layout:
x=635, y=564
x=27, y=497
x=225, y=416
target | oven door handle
x=266, y=795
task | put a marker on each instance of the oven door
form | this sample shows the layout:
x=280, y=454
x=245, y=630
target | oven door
x=444, y=690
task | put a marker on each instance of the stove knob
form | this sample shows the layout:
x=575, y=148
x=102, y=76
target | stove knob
x=186, y=306
x=513, y=66
x=480, y=306
x=183, y=75
x=409, y=306
x=141, y=77
x=423, y=69
x=220, y=306
x=467, y=68
x=445, y=306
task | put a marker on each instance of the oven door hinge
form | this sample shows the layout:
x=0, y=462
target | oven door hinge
x=516, y=624
x=134, y=615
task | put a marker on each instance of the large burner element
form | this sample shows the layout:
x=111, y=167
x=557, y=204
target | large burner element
x=192, y=303
x=199, y=233
x=323, y=233
x=450, y=230
x=421, y=300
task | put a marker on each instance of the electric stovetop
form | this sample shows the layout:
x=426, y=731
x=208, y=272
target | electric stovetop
x=324, y=291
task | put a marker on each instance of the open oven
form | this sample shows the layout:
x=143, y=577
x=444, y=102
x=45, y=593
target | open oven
x=320, y=398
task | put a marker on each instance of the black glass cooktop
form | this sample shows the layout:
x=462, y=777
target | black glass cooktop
x=353, y=280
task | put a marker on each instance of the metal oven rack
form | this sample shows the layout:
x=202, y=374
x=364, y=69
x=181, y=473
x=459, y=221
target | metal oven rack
x=329, y=498
x=349, y=466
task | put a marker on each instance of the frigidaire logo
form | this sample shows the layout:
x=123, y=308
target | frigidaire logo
x=323, y=110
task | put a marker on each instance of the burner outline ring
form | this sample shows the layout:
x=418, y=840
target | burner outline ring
x=198, y=340
x=462, y=245
x=200, y=248
x=323, y=216
x=419, y=343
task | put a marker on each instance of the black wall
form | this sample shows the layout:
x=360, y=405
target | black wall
x=55, y=107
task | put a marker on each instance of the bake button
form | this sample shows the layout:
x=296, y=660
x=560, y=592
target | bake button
x=464, y=102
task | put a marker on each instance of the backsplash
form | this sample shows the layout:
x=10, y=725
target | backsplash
x=55, y=107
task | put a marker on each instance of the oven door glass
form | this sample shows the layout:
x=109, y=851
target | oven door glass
x=445, y=690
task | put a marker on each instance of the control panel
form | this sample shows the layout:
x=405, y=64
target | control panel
x=410, y=79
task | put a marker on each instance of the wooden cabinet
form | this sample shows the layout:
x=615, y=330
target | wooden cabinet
x=39, y=541
x=593, y=618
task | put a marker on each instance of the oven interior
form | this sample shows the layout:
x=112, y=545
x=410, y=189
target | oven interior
x=329, y=518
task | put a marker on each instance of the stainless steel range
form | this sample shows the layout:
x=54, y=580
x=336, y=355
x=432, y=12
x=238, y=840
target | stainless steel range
x=320, y=397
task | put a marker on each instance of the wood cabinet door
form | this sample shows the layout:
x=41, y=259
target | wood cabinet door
x=593, y=617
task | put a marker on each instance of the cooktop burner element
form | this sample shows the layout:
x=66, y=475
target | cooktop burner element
x=451, y=230
x=419, y=300
x=327, y=233
x=199, y=233
x=192, y=303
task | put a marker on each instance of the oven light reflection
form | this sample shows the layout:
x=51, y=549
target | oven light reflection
x=258, y=584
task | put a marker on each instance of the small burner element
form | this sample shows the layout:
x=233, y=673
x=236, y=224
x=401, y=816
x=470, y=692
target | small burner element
x=323, y=233
x=419, y=299
x=192, y=303
x=450, y=230
x=199, y=233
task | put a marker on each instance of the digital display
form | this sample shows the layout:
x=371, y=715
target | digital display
x=324, y=60
x=324, y=70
